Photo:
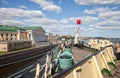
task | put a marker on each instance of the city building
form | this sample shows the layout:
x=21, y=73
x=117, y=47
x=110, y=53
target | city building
x=35, y=34
x=6, y=46
x=14, y=37
x=12, y=33
x=31, y=33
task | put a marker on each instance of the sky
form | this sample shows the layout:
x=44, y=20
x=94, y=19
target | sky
x=99, y=18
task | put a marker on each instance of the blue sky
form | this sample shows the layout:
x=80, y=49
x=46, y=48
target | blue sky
x=99, y=17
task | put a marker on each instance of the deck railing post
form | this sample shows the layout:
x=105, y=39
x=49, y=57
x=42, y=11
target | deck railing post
x=74, y=73
x=46, y=67
x=37, y=71
x=97, y=67
x=110, y=55
x=105, y=62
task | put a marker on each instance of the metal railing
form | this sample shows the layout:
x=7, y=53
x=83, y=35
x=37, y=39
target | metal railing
x=41, y=67
x=52, y=56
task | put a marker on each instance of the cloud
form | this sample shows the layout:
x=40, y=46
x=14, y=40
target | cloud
x=11, y=22
x=110, y=15
x=48, y=5
x=108, y=25
x=85, y=20
x=97, y=10
x=23, y=7
x=109, y=18
x=42, y=21
x=111, y=28
x=15, y=16
x=89, y=2
x=12, y=13
x=90, y=20
x=90, y=12
x=4, y=1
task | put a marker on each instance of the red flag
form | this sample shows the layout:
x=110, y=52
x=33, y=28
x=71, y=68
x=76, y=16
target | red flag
x=78, y=21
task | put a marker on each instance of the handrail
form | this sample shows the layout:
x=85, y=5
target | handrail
x=25, y=71
x=81, y=62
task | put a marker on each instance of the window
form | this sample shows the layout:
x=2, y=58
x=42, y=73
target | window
x=6, y=38
x=10, y=45
x=6, y=34
x=11, y=34
x=1, y=34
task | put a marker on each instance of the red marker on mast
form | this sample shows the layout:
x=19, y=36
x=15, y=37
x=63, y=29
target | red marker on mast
x=78, y=21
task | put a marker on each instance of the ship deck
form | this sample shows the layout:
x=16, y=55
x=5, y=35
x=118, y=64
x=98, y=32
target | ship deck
x=80, y=53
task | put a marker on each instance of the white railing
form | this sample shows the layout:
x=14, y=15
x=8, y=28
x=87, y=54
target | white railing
x=51, y=56
x=92, y=66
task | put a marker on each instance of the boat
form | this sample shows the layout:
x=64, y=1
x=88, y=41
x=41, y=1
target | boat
x=61, y=61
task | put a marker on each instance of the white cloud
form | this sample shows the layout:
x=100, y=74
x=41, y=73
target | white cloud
x=97, y=10
x=85, y=20
x=89, y=2
x=4, y=1
x=110, y=15
x=48, y=5
x=90, y=20
x=64, y=21
x=11, y=22
x=109, y=18
x=90, y=12
x=23, y=7
x=42, y=21
x=102, y=9
x=108, y=25
x=15, y=16
x=12, y=13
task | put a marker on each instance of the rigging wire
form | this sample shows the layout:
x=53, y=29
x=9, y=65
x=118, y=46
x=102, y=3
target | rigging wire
x=88, y=10
x=83, y=20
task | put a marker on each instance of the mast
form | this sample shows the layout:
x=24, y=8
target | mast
x=76, y=36
x=78, y=22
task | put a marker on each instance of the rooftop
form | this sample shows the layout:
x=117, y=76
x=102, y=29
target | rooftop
x=33, y=28
x=15, y=28
x=9, y=28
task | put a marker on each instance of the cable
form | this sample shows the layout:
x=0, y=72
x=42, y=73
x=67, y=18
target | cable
x=88, y=10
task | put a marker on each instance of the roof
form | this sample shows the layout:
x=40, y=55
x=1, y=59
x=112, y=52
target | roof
x=33, y=28
x=15, y=28
x=9, y=28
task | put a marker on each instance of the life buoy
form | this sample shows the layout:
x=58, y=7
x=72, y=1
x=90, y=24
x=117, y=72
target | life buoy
x=117, y=45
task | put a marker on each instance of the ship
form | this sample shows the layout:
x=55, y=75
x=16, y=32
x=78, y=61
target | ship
x=92, y=58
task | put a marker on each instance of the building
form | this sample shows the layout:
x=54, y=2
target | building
x=6, y=46
x=35, y=34
x=12, y=33
x=13, y=37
